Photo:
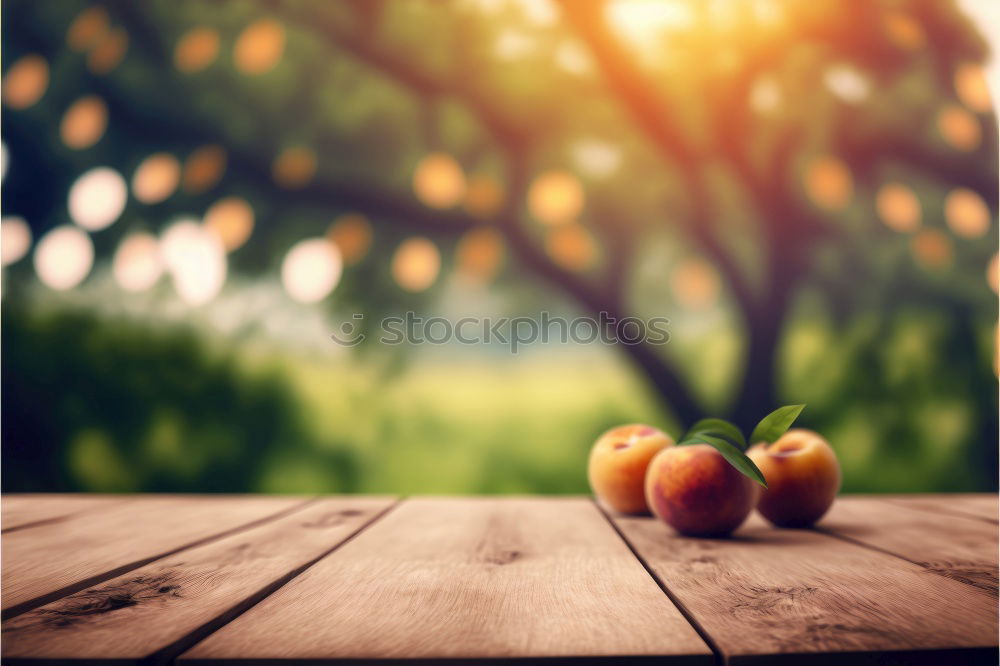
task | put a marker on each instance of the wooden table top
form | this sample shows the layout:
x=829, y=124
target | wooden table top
x=269, y=579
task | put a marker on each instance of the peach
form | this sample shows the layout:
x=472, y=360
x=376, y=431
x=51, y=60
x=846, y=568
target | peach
x=803, y=477
x=697, y=492
x=617, y=467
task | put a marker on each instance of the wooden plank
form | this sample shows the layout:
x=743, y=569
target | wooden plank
x=807, y=597
x=27, y=510
x=158, y=610
x=463, y=579
x=985, y=506
x=964, y=549
x=52, y=560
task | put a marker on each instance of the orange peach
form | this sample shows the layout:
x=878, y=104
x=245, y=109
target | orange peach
x=617, y=467
x=697, y=492
x=803, y=477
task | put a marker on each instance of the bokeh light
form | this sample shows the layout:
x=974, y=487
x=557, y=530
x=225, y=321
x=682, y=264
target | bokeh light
x=483, y=196
x=597, y=158
x=438, y=181
x=932, y=249
x=556, y=197
x=156, y=178
x=352, y=234
x=88, y=29
x=294, y=167
x=415, y=264
x=642, y=23
x=195, y=259
x=63, y=257
x=828, y=183
x=959, y=128
x=203, y=169
x=479, y=254
x=196, y=50
x=898, y=207
x=571, y=246
x=847, y=83
x=15, y=239
x=84, y=122
x=993, y=273
x=971, y=87
x=765, y=95
x=966, y=213
x=109, y=52
x=904, y=31
x=231, y=219
x=97, y=198
x=695, y=284
x=311, y=270
x=259, y=47
x=25, y=82
x=137, y=264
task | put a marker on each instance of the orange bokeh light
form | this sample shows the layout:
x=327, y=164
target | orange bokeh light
x=232, y=221
x=416, y=264
x=25, y=82
x=352, y=234
x=294, y=167
x=483, y=197
x=196, y=50
x=904, y=31
x=959, y=128
x=695, y=284
x=259, y=47
x=203, y=169
x=556, y=197
x=438, y=181
x=109, y=52
x=479, y=255
x=572, y=247
x=156, y=178
x=84, y=122
x=966, y=213
x=88, y=29
x=971, y=87
x=828, y=183
x=898, y=207
x=933, y=249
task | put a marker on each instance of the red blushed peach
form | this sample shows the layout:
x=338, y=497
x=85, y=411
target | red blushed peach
x=618, y=461
x=697, y=492
x=803, y=477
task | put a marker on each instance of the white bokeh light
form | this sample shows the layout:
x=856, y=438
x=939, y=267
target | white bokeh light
x=597, y=157
x=195, y=259
x=15, y=239
x=137, y=264
x=847, y=83
x=311, y=270
x=97, y=198
x=63, y=257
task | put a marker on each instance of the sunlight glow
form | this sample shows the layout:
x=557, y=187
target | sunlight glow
x=84, y=122
x=25, y=82
x=137, y=264
x=63, y=257
x=438, y=181
x=97, y=198
x=156, y=178
x=15, y=240
x=415, y=264
x=311, y=270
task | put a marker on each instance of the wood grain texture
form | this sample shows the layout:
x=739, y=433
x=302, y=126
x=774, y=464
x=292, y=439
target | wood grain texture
x=158, y=610
x=21, y=511
x=807, y=597
x=467, y=578
x=958, y=547
x=49, y=561
x=985, y=506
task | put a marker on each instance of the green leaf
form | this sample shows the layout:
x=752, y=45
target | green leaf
x=718, y=428
x=774, y=425
x=733, y=455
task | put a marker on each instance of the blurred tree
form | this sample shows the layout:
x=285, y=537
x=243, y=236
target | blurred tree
x=765, y=139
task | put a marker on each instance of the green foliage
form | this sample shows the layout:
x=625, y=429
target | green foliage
x=774, y=425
